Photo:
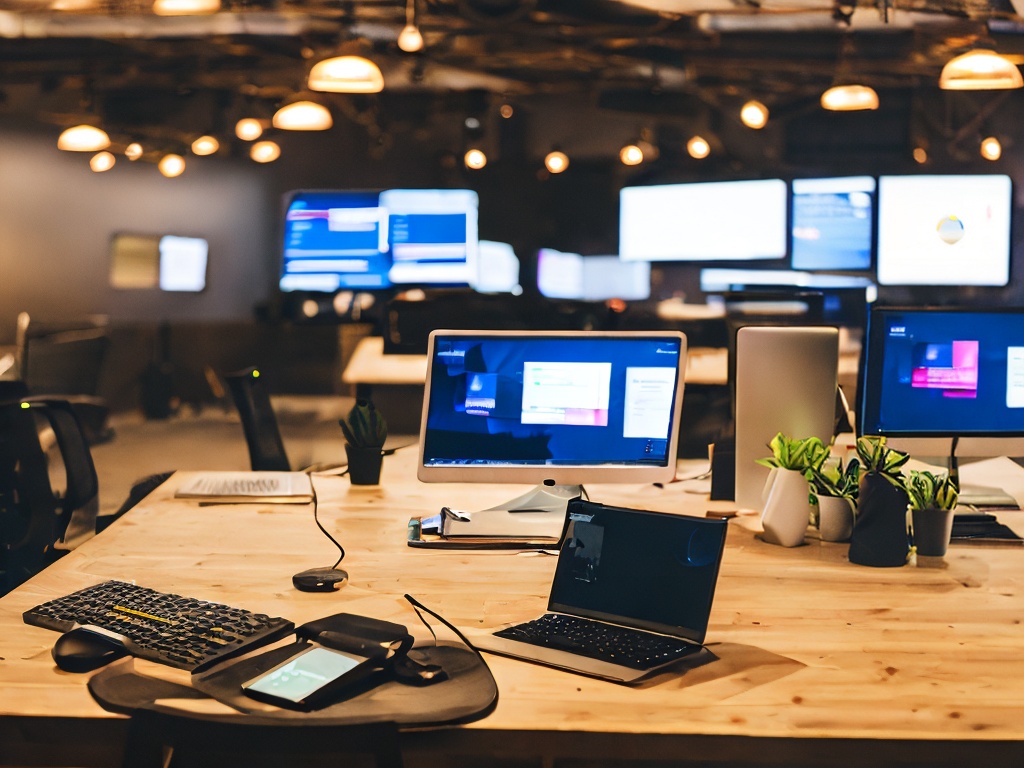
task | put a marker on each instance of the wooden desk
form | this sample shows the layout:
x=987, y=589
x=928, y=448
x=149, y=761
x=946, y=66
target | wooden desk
x=821, y=662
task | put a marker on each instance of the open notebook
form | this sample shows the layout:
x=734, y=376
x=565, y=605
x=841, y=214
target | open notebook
x=649, y=576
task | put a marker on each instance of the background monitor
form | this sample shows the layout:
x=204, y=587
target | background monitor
x=497, y=268
x=432, y=235
x=944, y=230
x=591, y=278
x=704, y=221
x=569, y=407
x=183, y=263
x=832, y=223
x=334, y=240
x=167, y=262
x=933, y=374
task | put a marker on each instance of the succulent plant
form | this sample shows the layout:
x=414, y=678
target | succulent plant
x=802, y=454
x=364, y=427
x=929, y=491
x=878, y=458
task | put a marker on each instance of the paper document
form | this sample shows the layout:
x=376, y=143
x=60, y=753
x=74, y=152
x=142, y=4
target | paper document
x=242, y=487
x=501, y=523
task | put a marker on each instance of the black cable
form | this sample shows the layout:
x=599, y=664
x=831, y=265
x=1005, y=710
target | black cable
x=316, y=519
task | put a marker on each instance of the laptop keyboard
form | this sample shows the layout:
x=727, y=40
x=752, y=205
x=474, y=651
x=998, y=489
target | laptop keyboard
x=631, y=648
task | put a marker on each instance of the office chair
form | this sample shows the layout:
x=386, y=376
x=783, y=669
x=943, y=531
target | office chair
x=38, y=526
x=249, y=392
x=197, y=741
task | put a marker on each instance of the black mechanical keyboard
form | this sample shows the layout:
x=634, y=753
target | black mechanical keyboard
x=632, y=648
x=181, y=632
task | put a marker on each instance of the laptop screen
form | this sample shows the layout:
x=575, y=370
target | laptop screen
x=570, y=407
x=649, y=570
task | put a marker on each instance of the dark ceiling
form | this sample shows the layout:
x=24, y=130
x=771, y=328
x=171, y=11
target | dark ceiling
x=171, y=78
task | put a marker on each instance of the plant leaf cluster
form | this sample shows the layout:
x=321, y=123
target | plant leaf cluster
x=834, y=479
x=929, y=491
x=878, y=458
x=364, y=427
x=801, y=454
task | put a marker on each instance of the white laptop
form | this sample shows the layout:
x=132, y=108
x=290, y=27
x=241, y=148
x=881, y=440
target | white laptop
x=650, y=576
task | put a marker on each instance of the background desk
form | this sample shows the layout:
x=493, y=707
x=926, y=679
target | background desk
x=821, y=662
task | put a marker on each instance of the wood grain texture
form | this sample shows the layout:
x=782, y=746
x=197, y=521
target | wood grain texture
x=819, y=661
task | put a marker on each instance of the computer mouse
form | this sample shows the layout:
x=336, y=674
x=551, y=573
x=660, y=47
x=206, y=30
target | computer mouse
x=320, y=580
x=84, y=649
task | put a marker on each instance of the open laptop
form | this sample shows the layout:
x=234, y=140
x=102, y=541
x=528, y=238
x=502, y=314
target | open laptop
x=650, y=575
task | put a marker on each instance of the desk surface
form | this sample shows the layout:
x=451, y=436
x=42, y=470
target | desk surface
x=922, y=664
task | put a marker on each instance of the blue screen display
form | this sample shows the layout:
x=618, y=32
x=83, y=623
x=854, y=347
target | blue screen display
x=944, y=373
x=551, y=400
x=832, y=223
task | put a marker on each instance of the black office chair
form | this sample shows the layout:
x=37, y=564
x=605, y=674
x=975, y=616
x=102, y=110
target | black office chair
x=249, y=392
x=210, y=741
x=37, y=525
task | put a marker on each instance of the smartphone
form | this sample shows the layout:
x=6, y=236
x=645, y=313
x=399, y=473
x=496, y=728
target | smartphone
x=313, y=678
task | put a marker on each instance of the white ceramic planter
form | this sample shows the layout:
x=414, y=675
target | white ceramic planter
x=835, y=518
x=787, y=509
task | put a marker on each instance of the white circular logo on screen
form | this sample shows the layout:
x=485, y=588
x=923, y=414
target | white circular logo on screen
x=950, y=229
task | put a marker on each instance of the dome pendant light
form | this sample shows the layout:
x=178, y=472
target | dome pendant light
x=980, y=70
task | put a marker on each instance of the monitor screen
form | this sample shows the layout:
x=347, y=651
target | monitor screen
x=168, y=262
x=432, y=235
x=591, y=278
x=497, y=268
x=704, y=221
x=944, y=373
x=335, y=240
x=182, y=263
x=832, y=223
x=568, y=407
x=944, y=230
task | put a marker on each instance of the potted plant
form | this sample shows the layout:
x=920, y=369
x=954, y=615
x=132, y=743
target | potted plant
x=365, y=431
x=834, y=489
x=932, y=500
x=787, y=493
x=879, y=535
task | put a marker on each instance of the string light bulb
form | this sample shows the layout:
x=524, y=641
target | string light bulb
x=754, y=114
x=133, y=151
x=991, y=148
x=556, y=161
x=631, y=154
x=171, y=165
x=205, y=145
x=248, y=129
x=698, y=147
x=410, y=39
x=102, y=161
x=265, y=151
x=475, y=159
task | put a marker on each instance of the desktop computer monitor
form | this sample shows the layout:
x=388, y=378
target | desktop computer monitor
x=704, y=221
x=432, y=235
x=832, y=223
x=944, y=230
x=552, y=407
x=786, y=381
x=591, y=278
x=941, y=382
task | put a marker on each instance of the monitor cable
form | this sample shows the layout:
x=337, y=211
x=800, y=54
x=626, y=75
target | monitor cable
x=325, y=579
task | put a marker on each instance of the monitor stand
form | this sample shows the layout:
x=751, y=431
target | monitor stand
x=538, y=513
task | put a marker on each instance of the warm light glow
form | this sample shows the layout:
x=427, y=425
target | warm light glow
x=920, y=155
x=346, y=74
x=991, y=149
x=849, y=98
x=980, y=70
x=556, y=161
x=265, y=151
x=310, y=308
x=506, y=111
x=754, y=115
x=248, y=129
x=171, y=165
x=133, y=151
x=631, y=154
x=698, y=147
x=475, y=159
x=410, y=39
x=205, y=145
x=303, y=116
x=83, y=138
x=102, y=161
x=185, y=7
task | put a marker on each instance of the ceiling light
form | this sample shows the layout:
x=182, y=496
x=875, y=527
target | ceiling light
x=920, y=155
x=102, y=161
x=631, y=154
x=303, y=116
x=980, y=70
x=83, y=138
x=185, y=7
x=475, y=159
x=991, y=148
x=248, y=129
x=754, y=115
x=849, y=98
x=171, y=165
x=133, y=151
x=556, y=161
x=205, y=145
x=265, y=151
x=506, y=111
x=410, y=39
x=698, y=147
x=346, y=74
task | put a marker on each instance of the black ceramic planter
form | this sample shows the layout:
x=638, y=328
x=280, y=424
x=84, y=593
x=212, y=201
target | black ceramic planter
x=880, y=531
x=364, y=465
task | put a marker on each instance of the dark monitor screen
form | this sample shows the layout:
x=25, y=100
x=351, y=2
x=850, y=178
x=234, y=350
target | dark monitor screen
x=335, y=240
x=572, y=407
x=832, y=223
x=944, y=230
x=704, y=221
x=943, y=373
